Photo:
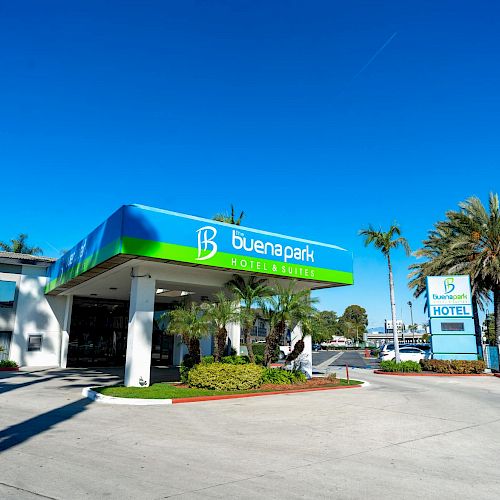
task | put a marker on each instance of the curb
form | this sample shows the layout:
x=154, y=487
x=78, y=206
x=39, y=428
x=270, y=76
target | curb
x=111, y=400
x=9, y=369
x=100, y=398
x=399, y=374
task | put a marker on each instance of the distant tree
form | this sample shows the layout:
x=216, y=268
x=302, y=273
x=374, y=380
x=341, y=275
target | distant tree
x=324, y=326
x=357, y=315
x=19, y=245
x=229, y=218
x=489, y=329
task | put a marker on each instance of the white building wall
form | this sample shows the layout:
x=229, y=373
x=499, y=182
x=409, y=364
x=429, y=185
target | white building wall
x=37, y=313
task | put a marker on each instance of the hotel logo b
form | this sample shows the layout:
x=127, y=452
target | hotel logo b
x=206, y=237
x=448, y=285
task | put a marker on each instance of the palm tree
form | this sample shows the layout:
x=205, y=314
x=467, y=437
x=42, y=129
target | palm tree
x=443, y=258
x=286, y=307
x=191, y=323
x=222, y=312
x=19, y=245
x=248, y=292
x=229, y=218
x=477, y=236
x=385, y=242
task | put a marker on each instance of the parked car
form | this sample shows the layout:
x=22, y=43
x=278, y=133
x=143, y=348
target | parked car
x=390, y=347
x=316, y=347
x=405, y=354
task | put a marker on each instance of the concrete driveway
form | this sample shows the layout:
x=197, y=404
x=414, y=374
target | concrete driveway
x=398, y=438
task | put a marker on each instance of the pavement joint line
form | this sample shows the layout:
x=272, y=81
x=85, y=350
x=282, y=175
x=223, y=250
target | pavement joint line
x=27, y=491
x=332, y=459
x=409, y=414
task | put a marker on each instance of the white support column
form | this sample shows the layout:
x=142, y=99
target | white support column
x=234, y=336
x=140, y=329
x=305, y=358
x=63, y=359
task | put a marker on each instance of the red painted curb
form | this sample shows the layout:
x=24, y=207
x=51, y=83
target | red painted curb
x=398, y=374
x=496, y=375
x=254, y=394
x=7, y=369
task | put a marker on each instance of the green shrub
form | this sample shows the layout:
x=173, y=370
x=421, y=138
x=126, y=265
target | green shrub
x=280, y=376
x=403, y=366
x=259, y=350
x=235, y=360
x=456, y=366
x=8, y=363
x=225, y=377
x=186, y=365
x=207, y=360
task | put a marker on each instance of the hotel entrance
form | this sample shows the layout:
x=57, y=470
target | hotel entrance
x=99, y=334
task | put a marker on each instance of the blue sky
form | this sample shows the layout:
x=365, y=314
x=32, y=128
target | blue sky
x=316, y=118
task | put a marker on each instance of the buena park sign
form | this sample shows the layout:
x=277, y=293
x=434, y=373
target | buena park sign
x=136, y=230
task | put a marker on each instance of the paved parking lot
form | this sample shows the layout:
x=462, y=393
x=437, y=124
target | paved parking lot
x=398, y=438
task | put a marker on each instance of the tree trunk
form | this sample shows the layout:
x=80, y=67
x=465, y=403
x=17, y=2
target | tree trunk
x=496, y=308
x=220, y=343
x=194, y=349
x=393, y=311
x=248, y=343
x=298, y=349
x=272, y=342
x=477, y=324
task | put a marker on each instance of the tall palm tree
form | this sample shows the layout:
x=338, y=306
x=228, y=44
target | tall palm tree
x=19, y=245
x=222, y=312
x=230, y=218
x=385, y=242
x=248, y=292
x=287, y=307
x=191, y=323
x=478, y=237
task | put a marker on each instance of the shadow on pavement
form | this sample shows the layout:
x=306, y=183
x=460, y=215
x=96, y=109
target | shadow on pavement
x=19, y=433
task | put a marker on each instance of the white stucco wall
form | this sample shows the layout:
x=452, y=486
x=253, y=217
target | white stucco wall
x=37, y=313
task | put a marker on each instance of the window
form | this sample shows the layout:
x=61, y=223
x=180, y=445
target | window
x=35, y=343
x=7, y=293
x=452, y=327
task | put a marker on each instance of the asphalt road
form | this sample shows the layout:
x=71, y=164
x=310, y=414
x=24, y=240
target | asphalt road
x=398, y=438
x=341, y=358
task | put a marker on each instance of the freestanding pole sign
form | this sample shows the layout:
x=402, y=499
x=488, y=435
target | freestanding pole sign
x=449, y=304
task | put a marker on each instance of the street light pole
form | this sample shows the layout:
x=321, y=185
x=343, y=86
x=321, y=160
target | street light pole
x=411, y=316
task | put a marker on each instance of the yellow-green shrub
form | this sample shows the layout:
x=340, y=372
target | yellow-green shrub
x=226, y=377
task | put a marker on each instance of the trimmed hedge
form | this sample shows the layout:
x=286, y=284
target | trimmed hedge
x=457, y=366
x=402, y=367
x=225, y=377
x=280, y=376
x=8, y=363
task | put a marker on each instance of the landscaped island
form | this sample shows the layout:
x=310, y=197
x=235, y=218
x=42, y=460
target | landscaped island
x=232, y=375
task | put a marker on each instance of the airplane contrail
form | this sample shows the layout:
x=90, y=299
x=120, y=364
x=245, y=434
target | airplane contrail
x=372, y=58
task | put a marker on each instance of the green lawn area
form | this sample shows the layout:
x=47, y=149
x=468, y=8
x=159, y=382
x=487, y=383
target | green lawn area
x=170, y=391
